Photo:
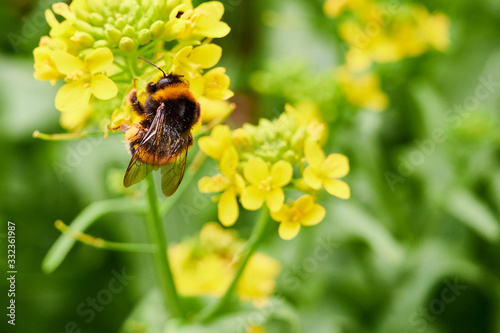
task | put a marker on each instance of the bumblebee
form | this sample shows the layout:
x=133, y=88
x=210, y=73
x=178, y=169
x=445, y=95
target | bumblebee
x=162, y=138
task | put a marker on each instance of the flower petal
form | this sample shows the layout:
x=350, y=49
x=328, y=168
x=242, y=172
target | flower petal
x=99, y=60
x=206, y=56
x=228, y=208
x=281, y=172
x=311, y=179
x=66, y=63
x=103, y=87
x=73, y=96
x=315, y=215
x=229, y=162
x=283, y=214
x=215, y=144
x=337, y=165
x=216, y=30
x=252, y=197
x=255, y=171
x=337, y=188
x=213, y=184
x=314, y=153
x=212, y=9
x=73, y=121
x=288, y=230
x=275, y=199
x=304, y=204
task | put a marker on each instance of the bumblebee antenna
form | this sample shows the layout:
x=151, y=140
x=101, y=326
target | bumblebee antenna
x=149, y=62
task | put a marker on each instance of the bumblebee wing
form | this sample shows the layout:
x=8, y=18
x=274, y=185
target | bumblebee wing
x=152, y=142
x=172, y=174
x=136, y=171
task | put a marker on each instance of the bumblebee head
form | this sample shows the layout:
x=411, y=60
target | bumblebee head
x=166, y=80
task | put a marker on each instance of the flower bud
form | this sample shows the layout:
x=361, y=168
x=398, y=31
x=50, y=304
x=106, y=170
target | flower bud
x=120, y=23
x=143, y=23
x=157, y=29
x=129, y=31
x=83, y=39
x=127, y=44
x=81, y=14
x=113, y=35
x=144, y=37
x=124, y=8
x=96, y=19
x=101, y=43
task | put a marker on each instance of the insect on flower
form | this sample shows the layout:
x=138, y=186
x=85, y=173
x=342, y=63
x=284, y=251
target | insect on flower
x=162, y=138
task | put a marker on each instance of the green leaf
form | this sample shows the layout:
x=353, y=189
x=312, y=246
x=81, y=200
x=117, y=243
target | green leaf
x=469, y=210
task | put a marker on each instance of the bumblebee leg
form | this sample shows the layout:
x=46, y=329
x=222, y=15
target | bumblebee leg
x=134, y=102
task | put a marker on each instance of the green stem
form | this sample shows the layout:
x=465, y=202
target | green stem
x=157, y=234
x=102, y=243
x=84, y=220
x=247, y=251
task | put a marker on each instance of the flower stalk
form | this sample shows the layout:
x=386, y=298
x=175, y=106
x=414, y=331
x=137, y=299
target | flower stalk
x=157, y=234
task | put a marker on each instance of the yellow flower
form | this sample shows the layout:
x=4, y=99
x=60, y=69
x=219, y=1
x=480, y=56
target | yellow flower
x=323, y=171
x=254, y=328
x=189, y=61
x=86, y=79
x=307, y=114
x=205, y=266
x=215, y=111
x=230, y=183
x=258, y=279
x=362, y=89
x=45, y=67
x=304, y=212
x=265, y=185
x=334, y=8
x=204, y=20
x=218, y=141
x=60, y=29
x=217, y=84
x=434, y=28
x=75, y=121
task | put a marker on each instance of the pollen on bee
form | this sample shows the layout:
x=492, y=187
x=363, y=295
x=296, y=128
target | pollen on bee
x=131, y=132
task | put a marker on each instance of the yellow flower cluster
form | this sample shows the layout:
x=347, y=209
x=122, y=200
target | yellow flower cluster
x=378, y=32
x=95, y=51
x=257, y=164
x=205, y=266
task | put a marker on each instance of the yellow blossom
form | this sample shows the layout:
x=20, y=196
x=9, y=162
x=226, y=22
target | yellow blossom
x=204, y=20
x=204, y=266
x=230, y=183
x=324, y=171
x=304, y=211
x=218, y=141
x=265, y=184
x=409, y=35
x=334, y=8
x=254, y=328
x=307, y=114
x=362, y=89
x=74, y=121
x=45, y=67
x=189, y=61
x=216, y=111
x=434, y=28
x=217, y=84
x=85, y=78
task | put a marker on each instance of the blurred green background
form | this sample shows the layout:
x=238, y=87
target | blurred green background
x=424, y=212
